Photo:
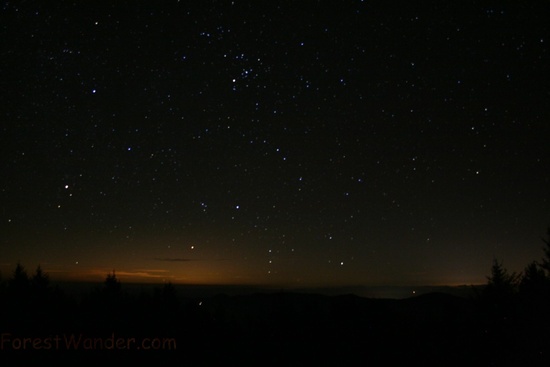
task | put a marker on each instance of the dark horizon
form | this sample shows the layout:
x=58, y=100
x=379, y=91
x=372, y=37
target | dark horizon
x=84, y=287
x=505, y=321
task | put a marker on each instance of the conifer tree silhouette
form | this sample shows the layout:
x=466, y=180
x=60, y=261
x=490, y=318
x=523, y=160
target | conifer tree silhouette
x=19, y=283
x=546, y=260
x=501, y=285
x=40, y=281
x=534, y=282
x=112, y=287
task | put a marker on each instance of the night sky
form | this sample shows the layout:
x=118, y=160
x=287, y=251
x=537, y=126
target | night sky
x=281, y=143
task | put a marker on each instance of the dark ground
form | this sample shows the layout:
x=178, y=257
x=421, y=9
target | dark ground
x=271, y=329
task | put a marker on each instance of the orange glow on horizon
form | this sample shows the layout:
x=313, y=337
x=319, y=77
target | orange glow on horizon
x=230, y=273
x=98, y=275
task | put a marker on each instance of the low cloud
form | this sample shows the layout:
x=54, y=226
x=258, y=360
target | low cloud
x=141, y=274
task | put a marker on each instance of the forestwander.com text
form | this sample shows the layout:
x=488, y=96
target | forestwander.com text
x=80, y=341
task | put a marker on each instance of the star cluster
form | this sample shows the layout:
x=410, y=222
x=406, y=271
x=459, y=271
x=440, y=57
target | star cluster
x=275, y=142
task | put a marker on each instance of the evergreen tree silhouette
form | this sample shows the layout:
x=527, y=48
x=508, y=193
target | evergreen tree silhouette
x=546, y=260
x=2, y=285
x=18, y=299
x=497, y=315
x=19, y=283
x=40, y=281
x=112, y=285
x=500, y=284
x=534, y=291
x=534, y=283
x=104, y=307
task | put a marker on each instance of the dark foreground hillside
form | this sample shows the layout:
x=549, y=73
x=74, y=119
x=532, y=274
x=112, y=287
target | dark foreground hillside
x=277, y=329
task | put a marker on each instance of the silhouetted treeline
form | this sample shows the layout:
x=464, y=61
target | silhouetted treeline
x=506, y=323
x=30, y=303
x=513, y=311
